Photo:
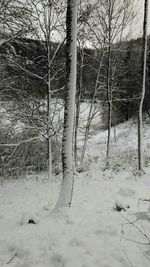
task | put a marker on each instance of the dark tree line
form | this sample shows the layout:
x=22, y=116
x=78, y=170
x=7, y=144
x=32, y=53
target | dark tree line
x=127, y=79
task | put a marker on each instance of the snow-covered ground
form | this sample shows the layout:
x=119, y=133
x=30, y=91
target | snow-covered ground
x=92, y=233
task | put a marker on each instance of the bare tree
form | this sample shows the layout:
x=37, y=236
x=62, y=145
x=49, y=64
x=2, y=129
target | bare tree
x=92, y=112
x=78, y=98
x=106, y=26
x=14, y=20
x=85, y=10
x=118, y=16
x=111, y=21
x=82, y=38
x=66, y=191
x=47, y=21
x=143, y=75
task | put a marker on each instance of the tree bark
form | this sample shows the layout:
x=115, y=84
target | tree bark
x=49, y=124
x=66, y=191
x=109, y=88
x=78, y=97
x=140, y=119
x=49, y=118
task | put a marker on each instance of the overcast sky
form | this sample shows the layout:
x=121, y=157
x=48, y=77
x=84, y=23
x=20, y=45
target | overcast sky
x=138, y=24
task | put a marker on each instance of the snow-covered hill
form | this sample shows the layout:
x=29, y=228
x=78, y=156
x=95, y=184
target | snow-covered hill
x=93, y=232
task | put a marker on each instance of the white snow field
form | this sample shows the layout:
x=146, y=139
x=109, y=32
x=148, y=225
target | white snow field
x=92, y=233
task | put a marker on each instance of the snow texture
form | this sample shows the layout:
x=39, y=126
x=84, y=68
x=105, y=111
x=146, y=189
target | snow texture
x=92, y=233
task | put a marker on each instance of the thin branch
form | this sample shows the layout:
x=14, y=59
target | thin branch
x=21, y=142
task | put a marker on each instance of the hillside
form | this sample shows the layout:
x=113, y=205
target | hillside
x=24, y=74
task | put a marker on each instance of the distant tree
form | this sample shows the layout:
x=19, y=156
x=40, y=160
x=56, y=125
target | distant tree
x=14, y=20
x=129, y=81
x=88, y=74
x=84, y=10
x=112, y=20
x=66, y=191
x=107, y=25
x=119, y=15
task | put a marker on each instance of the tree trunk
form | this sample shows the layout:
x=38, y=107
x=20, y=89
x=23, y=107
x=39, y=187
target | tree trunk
x=76, y=128
x=49, y=130
x=78, y=96
x=90, y=115
x=66, y=191
x=140, y=119
x=109, y=130
x=87, y=128
x=49, y=121
x=109, y=89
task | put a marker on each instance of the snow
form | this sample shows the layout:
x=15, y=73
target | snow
x=92, y=233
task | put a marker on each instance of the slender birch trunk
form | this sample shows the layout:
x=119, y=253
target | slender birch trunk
x=78, y=96
x=140, y=119
x=109, y=88
x=48, y=30
x=49, y=120
x=76, y=128
x=87, y=128
x=66, y=191
x=90, y=115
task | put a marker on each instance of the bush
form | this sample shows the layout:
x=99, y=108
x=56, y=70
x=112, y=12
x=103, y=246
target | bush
x=25, y=157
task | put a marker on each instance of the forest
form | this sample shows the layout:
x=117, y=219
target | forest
x=28, y=55
x=74, y=133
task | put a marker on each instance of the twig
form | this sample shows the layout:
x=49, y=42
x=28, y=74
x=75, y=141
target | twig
x=21, y=142
x=12, y=258
x=139, y=230
x=127, y=258
x=137, y=242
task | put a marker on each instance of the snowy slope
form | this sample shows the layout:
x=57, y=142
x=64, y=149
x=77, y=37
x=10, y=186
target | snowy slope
x=91, y=233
